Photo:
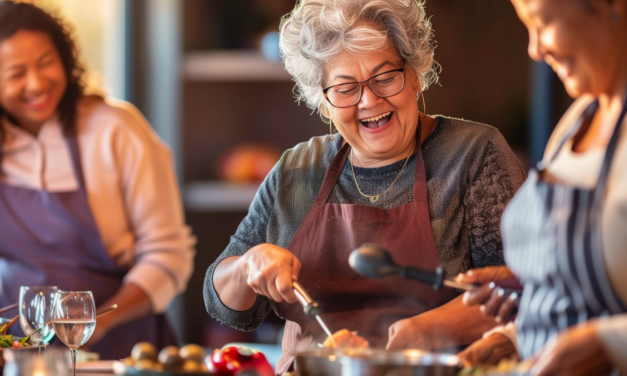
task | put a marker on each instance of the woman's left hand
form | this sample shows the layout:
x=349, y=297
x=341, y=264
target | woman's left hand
x=490, y=350
x=132, y=302
x=577, y=351
x=451, y=324
x=411, y=333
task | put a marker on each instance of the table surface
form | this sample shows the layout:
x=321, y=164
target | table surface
x=97, y=368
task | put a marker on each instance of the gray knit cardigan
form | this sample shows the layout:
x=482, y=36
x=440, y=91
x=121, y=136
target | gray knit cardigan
x=471, y=176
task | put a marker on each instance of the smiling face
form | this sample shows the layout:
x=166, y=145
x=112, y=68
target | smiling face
x=380, y=130
x=580, y=40
x=32, y=78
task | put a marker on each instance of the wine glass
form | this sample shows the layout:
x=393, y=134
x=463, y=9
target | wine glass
x=74, y=319
x=35, y=308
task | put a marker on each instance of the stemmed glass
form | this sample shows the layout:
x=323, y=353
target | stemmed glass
x=74, y=319
x=35, y=308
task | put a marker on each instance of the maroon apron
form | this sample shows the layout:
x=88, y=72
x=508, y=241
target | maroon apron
x=323, y=243
x=51, y=239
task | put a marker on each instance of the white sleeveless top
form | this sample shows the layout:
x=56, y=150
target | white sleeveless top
x=582, y=170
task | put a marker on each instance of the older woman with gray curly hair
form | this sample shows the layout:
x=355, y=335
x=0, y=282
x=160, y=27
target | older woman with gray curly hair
x=429, y=189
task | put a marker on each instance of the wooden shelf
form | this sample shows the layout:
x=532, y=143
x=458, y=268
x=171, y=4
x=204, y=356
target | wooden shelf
x=219, y=196
x=227, y=65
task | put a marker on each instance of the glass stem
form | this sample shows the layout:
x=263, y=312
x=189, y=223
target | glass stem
x=74, y=352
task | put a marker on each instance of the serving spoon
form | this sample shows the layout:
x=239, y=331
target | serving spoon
x=374, y=261
x=8, y=308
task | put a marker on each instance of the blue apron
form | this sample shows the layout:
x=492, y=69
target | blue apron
x=51, y=239
x=552, y=242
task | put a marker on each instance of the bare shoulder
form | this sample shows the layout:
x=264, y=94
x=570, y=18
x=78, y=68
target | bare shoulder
x=567, y=122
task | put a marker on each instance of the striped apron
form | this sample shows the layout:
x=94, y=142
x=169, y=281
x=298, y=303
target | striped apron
x=552, y=242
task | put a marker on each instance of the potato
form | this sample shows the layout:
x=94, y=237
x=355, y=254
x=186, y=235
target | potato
x=192, y=352
x=170, y=357
x=129, y=362
x=192, y=366
x=144, y=350
x=144, y=365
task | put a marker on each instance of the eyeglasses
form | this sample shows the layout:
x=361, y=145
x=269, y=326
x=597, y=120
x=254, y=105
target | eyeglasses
x=383, y=84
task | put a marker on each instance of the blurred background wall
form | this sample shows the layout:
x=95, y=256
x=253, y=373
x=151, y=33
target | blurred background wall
x=197, y=70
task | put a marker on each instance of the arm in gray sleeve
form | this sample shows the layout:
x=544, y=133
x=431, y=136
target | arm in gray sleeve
x=251, y=232
x=494, y=184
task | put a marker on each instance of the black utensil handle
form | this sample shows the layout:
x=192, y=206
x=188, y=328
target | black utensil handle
x=434, y=278
x=310, y=307
x=312, y=310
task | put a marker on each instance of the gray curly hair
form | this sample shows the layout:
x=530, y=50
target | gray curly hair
x=316, y=31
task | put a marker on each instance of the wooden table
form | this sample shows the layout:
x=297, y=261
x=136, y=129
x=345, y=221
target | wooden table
x=97, y=368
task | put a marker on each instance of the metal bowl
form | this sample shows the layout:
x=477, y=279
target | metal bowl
x=399, y=363
x=371, y=362
x=121, y=369
x=318, y=362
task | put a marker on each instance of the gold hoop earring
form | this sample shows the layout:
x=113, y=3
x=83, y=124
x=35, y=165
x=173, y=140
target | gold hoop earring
x=331, y=129
x=424, y=107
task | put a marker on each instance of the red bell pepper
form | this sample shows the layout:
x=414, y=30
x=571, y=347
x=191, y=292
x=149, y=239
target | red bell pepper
x=234, y=361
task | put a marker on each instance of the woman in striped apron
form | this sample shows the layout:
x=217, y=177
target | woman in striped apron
x=565, y=232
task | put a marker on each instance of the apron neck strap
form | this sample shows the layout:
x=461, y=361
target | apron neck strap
x=333, y=174
x=72, y=142
x=611, y=149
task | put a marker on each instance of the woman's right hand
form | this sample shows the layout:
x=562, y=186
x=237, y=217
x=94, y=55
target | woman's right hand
x=490, y=350
x=494, y=302
x=271, y=271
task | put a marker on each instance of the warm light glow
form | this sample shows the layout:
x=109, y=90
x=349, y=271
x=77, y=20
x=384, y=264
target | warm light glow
x=96, y=24
x=415, y=353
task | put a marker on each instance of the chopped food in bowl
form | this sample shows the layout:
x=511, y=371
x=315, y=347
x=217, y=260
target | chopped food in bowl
x=344, y=338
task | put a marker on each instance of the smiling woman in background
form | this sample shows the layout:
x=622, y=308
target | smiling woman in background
x=88, y=195
x=565, y=231
x=429, y=189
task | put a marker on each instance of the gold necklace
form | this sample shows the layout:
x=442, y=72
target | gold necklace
x=375, y=198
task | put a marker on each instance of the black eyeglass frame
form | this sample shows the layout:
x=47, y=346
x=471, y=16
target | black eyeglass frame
x=361, y=87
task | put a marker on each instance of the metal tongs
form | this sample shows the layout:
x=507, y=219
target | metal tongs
x=310, y=307
x=374, y=261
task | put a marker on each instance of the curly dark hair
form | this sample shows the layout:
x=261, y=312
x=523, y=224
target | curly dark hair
x=15, y=16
